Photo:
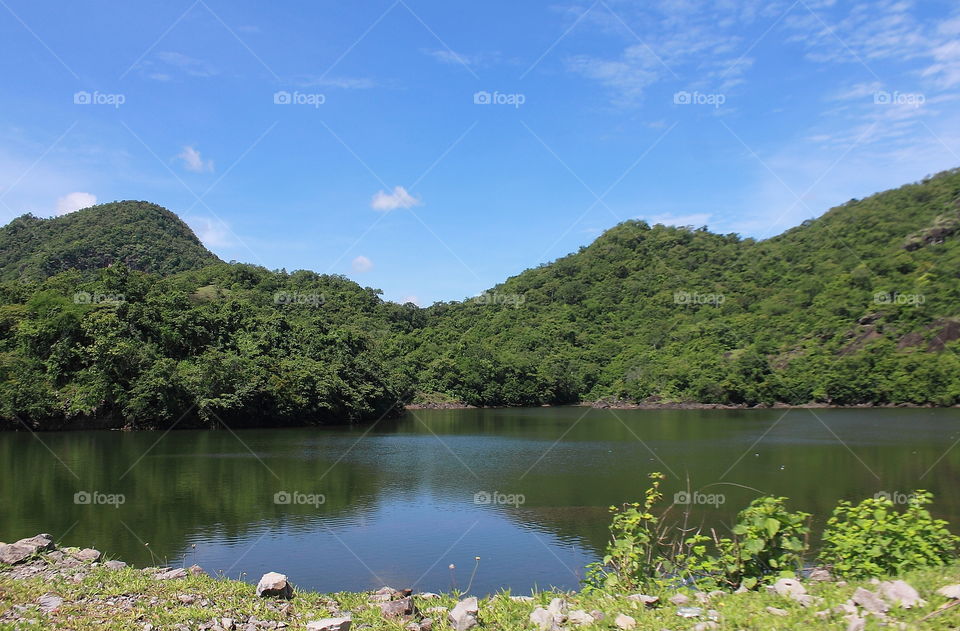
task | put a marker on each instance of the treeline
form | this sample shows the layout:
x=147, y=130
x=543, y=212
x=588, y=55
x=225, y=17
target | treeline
x=859, y=306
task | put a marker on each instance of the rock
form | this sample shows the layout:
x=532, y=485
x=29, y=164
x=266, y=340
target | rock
x=226, y=623
x=273, y=584
x=773, y=611
x=689, y=612
x=464, y=615
x=705, y=626
x=543, y=619
x=579, y=617
x=558, y=609
x=39, y=543
x=679, y=600
x=427, y=595
x=855, y=622
x=789, y=587
x=87, y=554
x=196, y=570
x=397, y=608
x=49, y=603
x=901, y=593
x=12, y=553
x=643, y=598
x=114, y=565
x=187, y=599
x=950, y=591
x=522, y=599
x=436, y=610
x=625, y=622
x=869, y=601
x=598, y=615
x=820, y=574
x=330, y=624
x=171, y=574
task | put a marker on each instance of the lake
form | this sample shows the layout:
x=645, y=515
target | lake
x=399, y=501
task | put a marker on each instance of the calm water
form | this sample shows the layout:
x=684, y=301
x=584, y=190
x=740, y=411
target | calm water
x=527, y=490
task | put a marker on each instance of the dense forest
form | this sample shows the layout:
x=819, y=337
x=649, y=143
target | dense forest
x=116, y=314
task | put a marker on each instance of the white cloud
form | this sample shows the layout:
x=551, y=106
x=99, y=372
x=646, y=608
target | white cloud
x=412, y=299
x=362, y=264
x=214, y=233
x=192, y=161
x=399, y=198
x=74, y=201
x=696, y=220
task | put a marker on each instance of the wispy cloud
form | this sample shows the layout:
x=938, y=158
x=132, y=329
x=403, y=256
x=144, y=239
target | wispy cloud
x=74, y=201
x=399, y=198
x=361, y=264
x=214, y=233
x=193, y=162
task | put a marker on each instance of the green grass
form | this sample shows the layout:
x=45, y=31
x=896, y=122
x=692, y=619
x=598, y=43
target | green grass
x=87, y=605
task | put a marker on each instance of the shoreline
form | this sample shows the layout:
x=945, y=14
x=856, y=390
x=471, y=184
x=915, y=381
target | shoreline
x=43, y=585
x=87, y=423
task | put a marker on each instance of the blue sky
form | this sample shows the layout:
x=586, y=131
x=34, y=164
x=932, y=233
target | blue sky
x=432, y=149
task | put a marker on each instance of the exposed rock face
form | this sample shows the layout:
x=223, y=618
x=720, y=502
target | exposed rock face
x=273, y=585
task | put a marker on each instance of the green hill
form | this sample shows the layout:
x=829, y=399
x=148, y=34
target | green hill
x=140, y=235
x=860, y=306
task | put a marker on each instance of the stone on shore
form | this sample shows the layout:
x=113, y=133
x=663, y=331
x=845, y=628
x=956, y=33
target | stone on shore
x=464, y=615
x=950, y=591
x=901, y=593
x=579, y=617
x=273, y=585
x=49, y=603
x=643, y=598
x=543, y=619
x=869, y=601
x=19, y=551
x=170, y=575
x=625, y=622
x=330, y=624
x=774, y=611
x=114, y=565
x=397, y=608
x=87, y=554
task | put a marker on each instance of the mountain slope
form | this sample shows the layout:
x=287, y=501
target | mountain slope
x=857, y=306
x=141, y=235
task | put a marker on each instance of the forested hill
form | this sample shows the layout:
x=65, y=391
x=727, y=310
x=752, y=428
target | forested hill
x=859, y=306
x=140, y=235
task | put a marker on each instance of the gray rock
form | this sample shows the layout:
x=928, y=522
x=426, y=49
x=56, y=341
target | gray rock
x=13, y=553
x=426, y=624
x=950, y=591
x=543, y=619
x=820, y=574
x=397, y=608
x=227, y=623
x=39, y=543
x=522, y=599
x=901, y=593
x=558, y=609
x=625, y=622
x=464, y=615
x=705, y=626
x=273, y=585
x=689, y=612
x=427, y=595
x=855, y=622
x=789, y=587
x=49, y=602
x=87, y=554
x=171, y=574
x=114, y=565
x=773, y=611
x=869, y=601
x=579, y=617
x=643, y=598
x=679, y=600
x=330, y=624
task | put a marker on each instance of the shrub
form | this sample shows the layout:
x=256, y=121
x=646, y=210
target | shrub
x=872, y=538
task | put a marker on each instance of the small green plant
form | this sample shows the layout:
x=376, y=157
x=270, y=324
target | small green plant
x=631, y=559
x=872, y=538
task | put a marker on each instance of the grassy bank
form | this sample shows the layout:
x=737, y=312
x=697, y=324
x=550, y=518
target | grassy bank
x=58, y=591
